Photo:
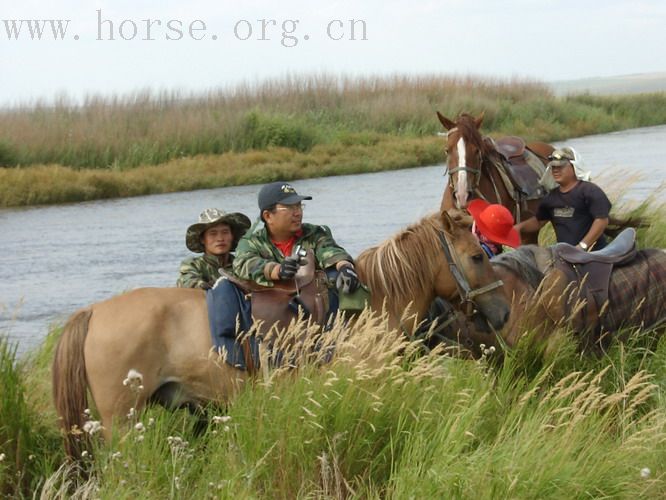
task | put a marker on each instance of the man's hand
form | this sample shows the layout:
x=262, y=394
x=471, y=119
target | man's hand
x=347, y=280
x=288, y=268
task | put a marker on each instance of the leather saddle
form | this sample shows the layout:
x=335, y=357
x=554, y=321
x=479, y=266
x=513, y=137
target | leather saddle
x=589, y=273
x=277, y=306
x=523, y=167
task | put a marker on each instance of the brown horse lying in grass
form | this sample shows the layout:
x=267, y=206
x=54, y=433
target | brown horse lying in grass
x=542, y=301
x=158, y=342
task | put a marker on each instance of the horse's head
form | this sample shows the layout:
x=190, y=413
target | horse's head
x=464, y=154
x=465, y=269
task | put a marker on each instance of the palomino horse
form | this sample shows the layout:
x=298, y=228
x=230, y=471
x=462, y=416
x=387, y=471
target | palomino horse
x=541, y=298
x=163, y=333
x=479, y=168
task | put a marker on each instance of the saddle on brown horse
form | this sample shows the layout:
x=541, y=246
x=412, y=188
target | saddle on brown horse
x=277, y=306
x=520, y=168
x=588, y=275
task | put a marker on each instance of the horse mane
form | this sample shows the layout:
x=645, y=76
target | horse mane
x=522, y=262
x=467, y=126
x=392, y=270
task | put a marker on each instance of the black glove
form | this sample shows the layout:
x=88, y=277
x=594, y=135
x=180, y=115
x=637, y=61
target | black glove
x=288, y=268
x=347, y=280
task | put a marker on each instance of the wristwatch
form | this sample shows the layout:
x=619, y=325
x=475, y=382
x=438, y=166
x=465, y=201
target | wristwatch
x=583, y=245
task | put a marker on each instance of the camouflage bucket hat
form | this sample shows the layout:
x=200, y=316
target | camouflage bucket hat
x=561, y=157
x=210, y=217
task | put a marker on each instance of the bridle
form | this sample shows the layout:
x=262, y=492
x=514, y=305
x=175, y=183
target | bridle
x=472, y=187
x=464, y=168
x=465, y=291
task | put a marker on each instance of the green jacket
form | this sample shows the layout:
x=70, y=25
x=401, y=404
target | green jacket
x=255, y=250
x=196, y=272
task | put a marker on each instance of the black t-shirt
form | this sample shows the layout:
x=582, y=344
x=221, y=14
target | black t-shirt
x=572, y=213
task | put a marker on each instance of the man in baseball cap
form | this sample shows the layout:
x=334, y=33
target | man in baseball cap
x=577, y=209
x=265, y=256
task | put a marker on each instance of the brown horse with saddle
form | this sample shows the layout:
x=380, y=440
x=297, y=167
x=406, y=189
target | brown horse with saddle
x=593, y=294
x=163, y=334
x=506, y=171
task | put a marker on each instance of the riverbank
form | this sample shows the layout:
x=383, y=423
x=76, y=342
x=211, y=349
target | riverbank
x=148, y=144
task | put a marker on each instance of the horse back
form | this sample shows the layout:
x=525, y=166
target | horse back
x=637, y=292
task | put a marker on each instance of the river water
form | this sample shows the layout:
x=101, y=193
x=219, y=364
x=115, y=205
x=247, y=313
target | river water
x=56, y=259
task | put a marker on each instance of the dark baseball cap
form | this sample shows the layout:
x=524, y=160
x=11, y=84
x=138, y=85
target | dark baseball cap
x=279, y=192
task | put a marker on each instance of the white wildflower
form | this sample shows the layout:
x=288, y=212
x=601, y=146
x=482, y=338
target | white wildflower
x=139, y=438
x=86, y=412
x=92, y=427
x=645, y=472
x=2, y=457
x=31, y=458
x=151, y=421
x=221, y=420
x=225, y=428
x=131, y=413
x=140, y=427
x=84, y=453
x=123, y=482
x=134, y=381
x=116, y=455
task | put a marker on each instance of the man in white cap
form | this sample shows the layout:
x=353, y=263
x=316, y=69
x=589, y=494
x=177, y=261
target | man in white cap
x=577, y=208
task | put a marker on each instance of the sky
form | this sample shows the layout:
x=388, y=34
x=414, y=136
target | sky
x=123, y=46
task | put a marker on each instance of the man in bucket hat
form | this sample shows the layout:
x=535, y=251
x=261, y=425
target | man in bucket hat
x=493, y=226
x=216, y=234
x=577, y=208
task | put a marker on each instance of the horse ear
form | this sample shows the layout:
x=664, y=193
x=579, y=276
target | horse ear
x=479, y=120
x=448, y=124
x=448, y=221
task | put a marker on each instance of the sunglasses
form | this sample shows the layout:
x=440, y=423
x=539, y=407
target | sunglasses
x=298, y=207
x=559, y=156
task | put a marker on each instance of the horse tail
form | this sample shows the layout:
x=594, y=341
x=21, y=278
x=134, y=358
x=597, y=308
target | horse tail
x=69, y=380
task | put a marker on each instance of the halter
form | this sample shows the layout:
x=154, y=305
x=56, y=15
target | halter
x=466, y=292
x=473, y=187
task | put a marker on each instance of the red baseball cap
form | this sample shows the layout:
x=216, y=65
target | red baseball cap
x=495, y=222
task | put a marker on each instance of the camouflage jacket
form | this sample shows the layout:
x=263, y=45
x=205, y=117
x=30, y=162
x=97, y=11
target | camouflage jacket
x=255, y=250
x=195, y=272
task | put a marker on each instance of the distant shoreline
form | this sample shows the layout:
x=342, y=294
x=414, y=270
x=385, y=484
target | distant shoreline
x=291, y=129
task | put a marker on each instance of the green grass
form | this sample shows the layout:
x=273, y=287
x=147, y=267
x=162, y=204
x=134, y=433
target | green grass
x=135, y=144
x=552, y=424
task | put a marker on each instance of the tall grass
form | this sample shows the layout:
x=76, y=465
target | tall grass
x=297, y=112
x=382, y=420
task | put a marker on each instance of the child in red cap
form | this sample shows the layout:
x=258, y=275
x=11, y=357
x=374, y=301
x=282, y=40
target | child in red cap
x=493, y=226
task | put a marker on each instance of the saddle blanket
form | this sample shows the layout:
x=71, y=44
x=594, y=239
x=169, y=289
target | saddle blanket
x=637, y=293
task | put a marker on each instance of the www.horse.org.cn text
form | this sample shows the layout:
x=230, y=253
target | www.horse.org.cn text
x=288, y=33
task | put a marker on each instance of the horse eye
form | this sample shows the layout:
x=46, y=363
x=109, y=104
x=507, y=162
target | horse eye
x=478, y=258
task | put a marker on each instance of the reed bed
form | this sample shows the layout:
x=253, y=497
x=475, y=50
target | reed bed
x=94, y=144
